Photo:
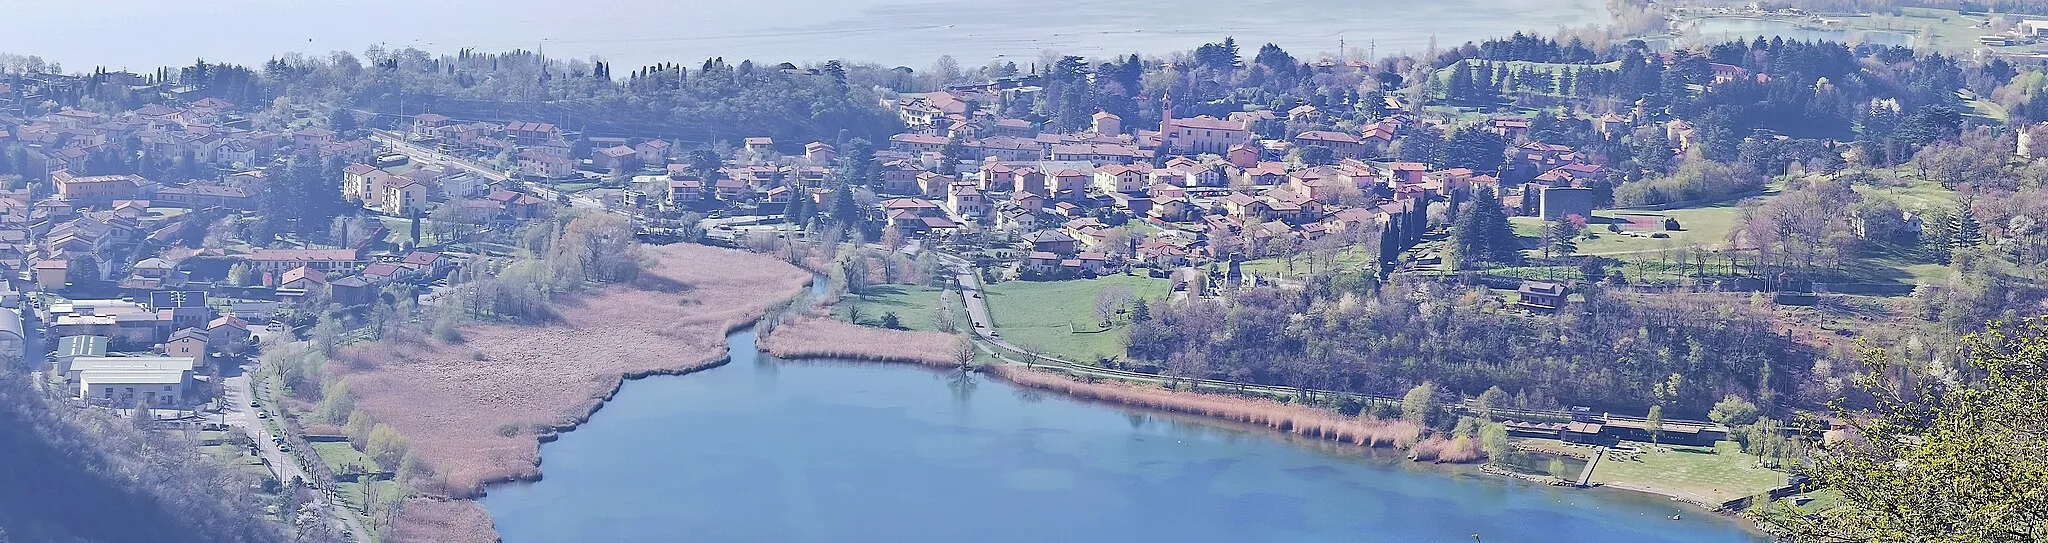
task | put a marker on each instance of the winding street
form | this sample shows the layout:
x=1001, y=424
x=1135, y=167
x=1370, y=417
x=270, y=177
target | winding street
x=237, y=394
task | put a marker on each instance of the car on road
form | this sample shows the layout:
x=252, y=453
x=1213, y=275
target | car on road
x=262, y=415
x=284, y=448
x=255, y=405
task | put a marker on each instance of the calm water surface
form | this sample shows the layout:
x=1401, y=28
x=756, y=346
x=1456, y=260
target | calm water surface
x=1722, y=29
x=142, y=34
x=768, y=450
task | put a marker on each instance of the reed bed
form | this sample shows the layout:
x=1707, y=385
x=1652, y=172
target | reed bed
x=1460, y=450
x=814, y=336
x=1304, y=421
x=455, y=401
x=442, y=521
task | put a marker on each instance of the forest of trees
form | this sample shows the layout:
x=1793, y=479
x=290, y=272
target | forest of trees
x=84, y=475
x=1610, y=352
x=714, y=102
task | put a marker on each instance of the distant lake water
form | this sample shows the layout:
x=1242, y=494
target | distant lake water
x=142, y=34
x=769, y=450
x=1723, y=29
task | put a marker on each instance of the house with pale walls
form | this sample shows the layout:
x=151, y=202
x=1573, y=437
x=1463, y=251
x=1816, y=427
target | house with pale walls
x=965, y=202
x=1121, y=178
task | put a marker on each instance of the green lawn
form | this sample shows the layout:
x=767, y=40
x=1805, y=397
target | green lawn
x=1915, y=194
x=381, y=494
x=1705, y=226
x=915, y=306
x=572, y=188
x=1705, y=475
x=1351, y=258
x=1058, y=317
x=237, y=458
x=1952, y=32
x=339, y=455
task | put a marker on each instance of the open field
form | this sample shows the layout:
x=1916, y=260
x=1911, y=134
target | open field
x=339, y=455
x=1915, y=193
x=381, y=493
x=472, y=409
x=1058, y=317
x=1942, y=29
x=1699, y=227
x=1709, y=476
x=914, y=306
x=813, y=336
x=1350, y=258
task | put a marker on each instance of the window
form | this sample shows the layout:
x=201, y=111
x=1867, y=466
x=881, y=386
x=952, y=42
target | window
x=167, y=388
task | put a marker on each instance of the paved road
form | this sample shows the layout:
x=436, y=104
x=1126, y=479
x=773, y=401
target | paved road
x=423, y=154
x=236, y=395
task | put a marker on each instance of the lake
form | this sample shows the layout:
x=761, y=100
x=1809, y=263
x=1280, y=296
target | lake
x=1722, y=29
x=142, y=34
x=769, y=450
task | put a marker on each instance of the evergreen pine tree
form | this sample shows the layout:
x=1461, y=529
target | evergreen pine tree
x=1963, y=229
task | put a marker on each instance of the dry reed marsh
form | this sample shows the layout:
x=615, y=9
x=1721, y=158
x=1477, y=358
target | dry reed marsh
x=1305, y=421
x=812, y=336
x=474, y=410
x=443, y=521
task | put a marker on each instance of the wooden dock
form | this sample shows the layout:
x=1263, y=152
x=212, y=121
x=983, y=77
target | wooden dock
x=1586, y=477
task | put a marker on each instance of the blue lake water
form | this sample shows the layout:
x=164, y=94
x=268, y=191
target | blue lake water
x=1722, y=29
x=769, y=450
x=143, y=34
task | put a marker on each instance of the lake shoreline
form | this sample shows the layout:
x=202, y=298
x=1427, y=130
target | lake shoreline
x=478, y=409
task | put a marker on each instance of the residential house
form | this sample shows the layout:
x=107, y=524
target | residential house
x=615, y=158
x=684, y=191
x=531, y=133
x=1511, y=129
x=1041, y=262
x=312, y=137
x=201, y=195
x=350, y=291
x=1243, y=156
x=52, y=275
x=917, y=143
x=303, y=279
x=1120, y=178
x=425, y=124
x=545, y=164
x=818, y=152
x=227, y=330
x=1202, y=134
x=187, y=343
x=758, y=146
x=96, y=189
x=1051, y=241
x=1540, y=295
x=518, y=205
x=1107, y=124
x=1341, y=145
x=364, y=183
x=1409, y=172
x=281, y=260
x=403, y=197
x=965, y=202
x=653, y=151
